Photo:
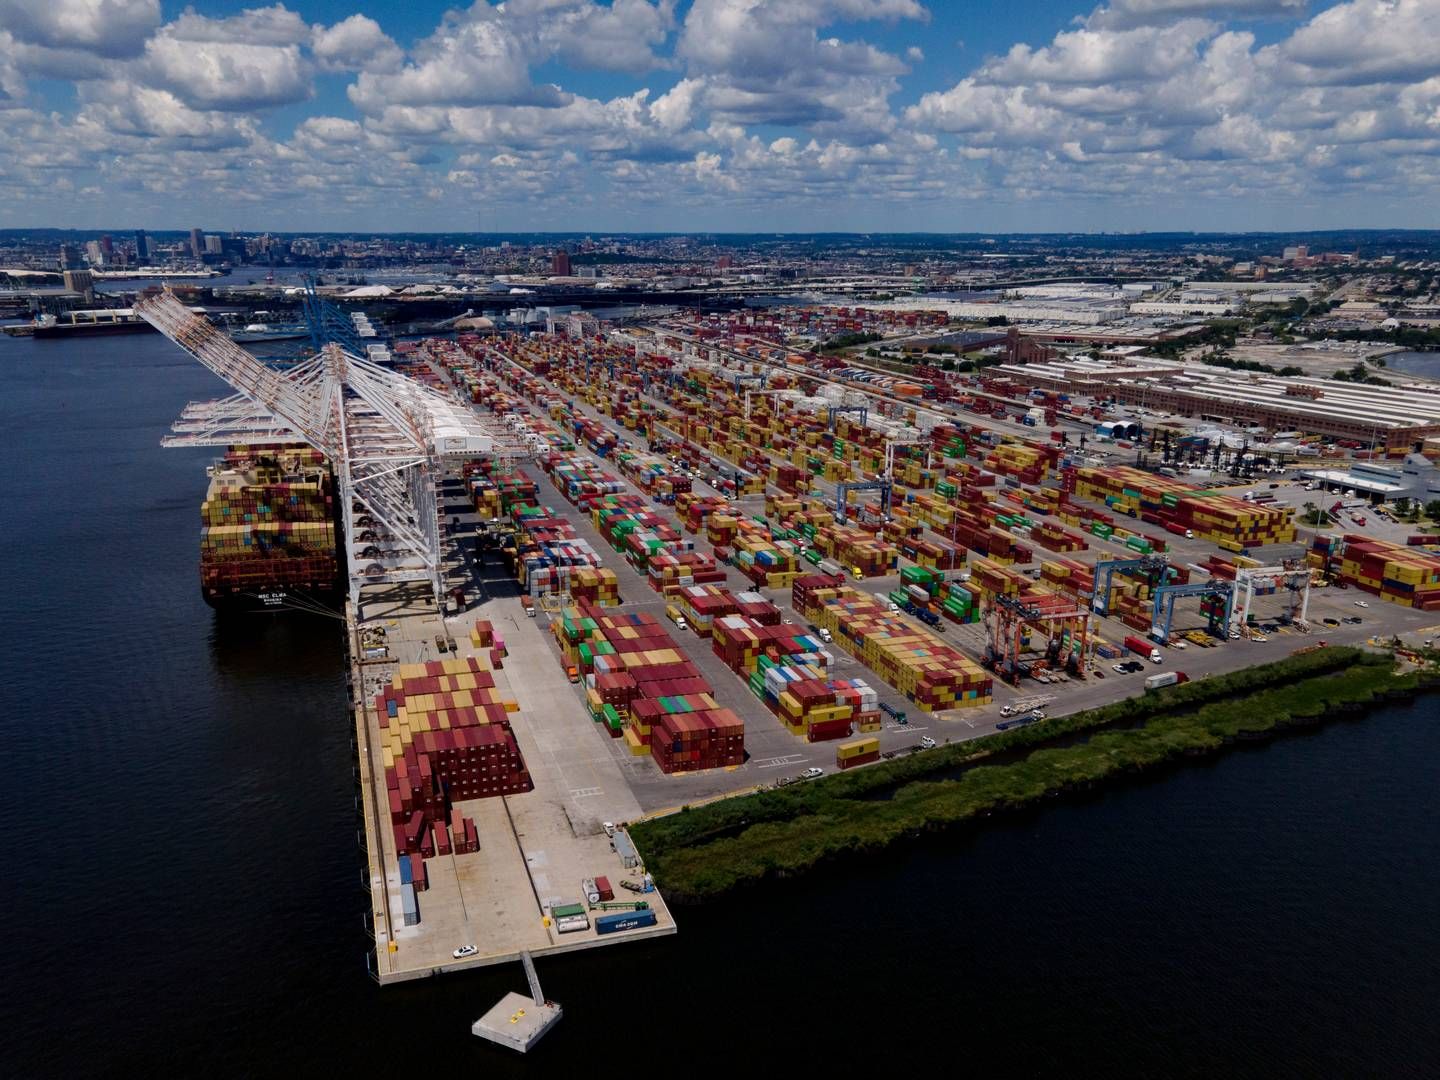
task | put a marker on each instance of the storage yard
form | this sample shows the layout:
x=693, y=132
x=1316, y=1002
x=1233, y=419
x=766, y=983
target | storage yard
x=712, y=572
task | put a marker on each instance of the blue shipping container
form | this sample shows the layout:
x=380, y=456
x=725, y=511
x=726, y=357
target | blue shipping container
x=624, y=920
x=405, y=876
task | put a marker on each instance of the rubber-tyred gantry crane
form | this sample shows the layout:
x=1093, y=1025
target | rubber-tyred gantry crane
x=1066, y=628
x=386, y=437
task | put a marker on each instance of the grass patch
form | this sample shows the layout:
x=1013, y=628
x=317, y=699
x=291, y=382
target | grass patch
x=703, y=852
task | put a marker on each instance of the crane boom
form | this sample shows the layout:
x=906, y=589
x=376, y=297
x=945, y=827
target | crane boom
x=385, y=434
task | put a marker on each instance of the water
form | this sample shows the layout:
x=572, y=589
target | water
x=183, y=885
x=1415, y=363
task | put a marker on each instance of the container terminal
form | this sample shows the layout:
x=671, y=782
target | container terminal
x=594, y=577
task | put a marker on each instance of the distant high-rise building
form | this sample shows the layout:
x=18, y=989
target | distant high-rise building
x=560, y=264
x=213, y=245
x=107, y=246
x=69, y=257
x=142, y=246
x=197, y=243
x=94, y=254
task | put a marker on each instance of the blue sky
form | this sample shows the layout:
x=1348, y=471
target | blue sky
x=729, y=115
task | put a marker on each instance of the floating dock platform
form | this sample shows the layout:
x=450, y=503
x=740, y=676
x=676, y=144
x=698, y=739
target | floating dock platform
x=517, y=1022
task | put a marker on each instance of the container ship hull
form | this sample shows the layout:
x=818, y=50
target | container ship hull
x=92, y=329
x=272, y=599
x=268, y=542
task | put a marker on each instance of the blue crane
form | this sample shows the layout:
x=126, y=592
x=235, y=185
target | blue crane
x=842, y=495
x=328, y=324
x=1163, y=611
x=1152, y=565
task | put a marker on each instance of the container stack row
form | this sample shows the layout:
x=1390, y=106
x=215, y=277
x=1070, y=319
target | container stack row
x=920, y=665
x=1231, y=523
x=1396, y=573
x=445, y=738
x=642, y=688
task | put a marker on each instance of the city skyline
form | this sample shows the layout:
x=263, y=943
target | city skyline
x=720, y=115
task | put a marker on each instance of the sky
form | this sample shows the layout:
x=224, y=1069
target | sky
x=720, y=115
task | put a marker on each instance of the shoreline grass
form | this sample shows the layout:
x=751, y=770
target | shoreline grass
x=701, y=853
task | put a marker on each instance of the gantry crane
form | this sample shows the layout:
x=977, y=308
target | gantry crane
x=1066, y=628
x=386, y=437
x=1154, y=567
x=843, y=490
x=758, y=393
x=1163, y=610
x=1292, y=575
x=836, y=410
x=891, y=442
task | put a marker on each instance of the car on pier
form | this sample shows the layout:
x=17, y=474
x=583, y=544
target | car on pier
x=465, y=951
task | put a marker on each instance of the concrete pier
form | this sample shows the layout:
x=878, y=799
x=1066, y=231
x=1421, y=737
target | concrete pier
x=535, y=848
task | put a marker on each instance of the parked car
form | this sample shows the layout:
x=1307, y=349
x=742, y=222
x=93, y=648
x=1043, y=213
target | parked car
x=812, y=772
x=465, y=950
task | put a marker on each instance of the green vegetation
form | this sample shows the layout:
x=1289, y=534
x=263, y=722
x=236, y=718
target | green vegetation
x=847, y=341
x=1359, y=374
x=1225, y=360
x=703, y=852
x=1412, y=337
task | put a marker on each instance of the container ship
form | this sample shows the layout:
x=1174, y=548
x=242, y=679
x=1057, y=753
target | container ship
x=88, y=321
x=268, y=530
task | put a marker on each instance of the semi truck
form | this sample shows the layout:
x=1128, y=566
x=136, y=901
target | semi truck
x=1165, y=678
x=1146, y=650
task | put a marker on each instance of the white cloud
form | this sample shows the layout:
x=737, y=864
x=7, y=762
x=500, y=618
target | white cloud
x=675, y=108
x=1119, y=14
x=1157, y=102
x=244, y=62
x=227, y=74
x=1366, y=41
x=12, y=84
x=355, y=44
x=274, y=25
x=1100, y=56
x=1168, y=104
x=621, y=36
x=474, y=58
x=118, y=108
x=114, y=28
x=765, y=62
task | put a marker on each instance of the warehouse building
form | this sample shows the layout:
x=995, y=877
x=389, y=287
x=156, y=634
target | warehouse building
x=1416, y=478
x=1391, y=418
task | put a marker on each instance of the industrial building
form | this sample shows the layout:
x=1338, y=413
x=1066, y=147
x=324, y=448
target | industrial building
x=1415, y=478
x=1393, y=418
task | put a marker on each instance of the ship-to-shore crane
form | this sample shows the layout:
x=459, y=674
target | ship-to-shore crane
x=386, y=435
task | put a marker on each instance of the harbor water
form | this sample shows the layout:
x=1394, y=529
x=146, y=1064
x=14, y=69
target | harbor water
x=1415, y=363
x=184, y=885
